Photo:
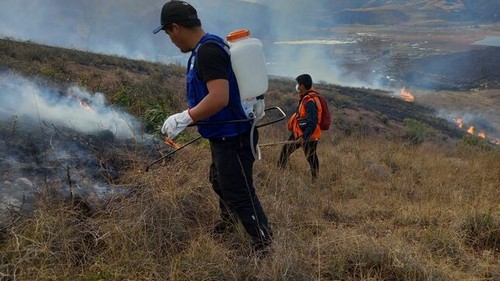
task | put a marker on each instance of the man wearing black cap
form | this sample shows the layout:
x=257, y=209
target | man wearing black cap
x=304, y=125
x=213, y=96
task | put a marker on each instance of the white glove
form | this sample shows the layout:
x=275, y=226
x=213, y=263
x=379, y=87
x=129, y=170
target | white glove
x=176, y=123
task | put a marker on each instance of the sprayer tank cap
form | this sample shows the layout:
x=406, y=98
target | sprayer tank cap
x=237, y=34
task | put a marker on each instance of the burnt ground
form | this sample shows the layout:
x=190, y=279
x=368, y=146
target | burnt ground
x=394, y=108
x=368, y=111
x=64, y=165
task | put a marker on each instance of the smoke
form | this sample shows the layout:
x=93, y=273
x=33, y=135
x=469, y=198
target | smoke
x=297, y=37
x=123, y=28
x=39, y=146
x=73, y=108
x=478, y=121
x=92, y=25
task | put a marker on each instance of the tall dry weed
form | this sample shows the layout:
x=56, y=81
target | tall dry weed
x=381, y=209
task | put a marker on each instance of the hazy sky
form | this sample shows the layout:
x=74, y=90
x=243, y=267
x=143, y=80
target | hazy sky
x=123, y=27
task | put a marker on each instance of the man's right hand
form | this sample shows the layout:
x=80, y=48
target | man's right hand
x=176, y=123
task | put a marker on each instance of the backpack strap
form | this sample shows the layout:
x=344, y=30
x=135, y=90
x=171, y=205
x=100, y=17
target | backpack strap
x=210, y=40
x=313, y=95
x=231, y=105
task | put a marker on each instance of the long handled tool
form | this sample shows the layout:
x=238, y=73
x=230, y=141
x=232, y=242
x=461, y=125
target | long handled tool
x=277, y=143
x=171, y=152
x=283, y=115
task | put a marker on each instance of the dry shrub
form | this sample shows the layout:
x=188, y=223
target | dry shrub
x=482, y=231
x=380, y=210
x=58, y=241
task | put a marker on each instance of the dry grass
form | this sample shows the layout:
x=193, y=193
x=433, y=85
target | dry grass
x=381, y=210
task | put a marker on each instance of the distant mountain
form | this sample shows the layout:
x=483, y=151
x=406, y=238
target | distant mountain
x=398, y=11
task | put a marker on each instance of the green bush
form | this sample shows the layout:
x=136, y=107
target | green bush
x=477, y=142
x=417, y=132
x=154, y=118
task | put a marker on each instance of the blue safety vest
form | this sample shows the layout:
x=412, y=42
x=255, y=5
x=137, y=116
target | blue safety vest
x=197, y=90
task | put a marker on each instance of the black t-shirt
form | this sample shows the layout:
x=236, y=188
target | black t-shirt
x=212, y=62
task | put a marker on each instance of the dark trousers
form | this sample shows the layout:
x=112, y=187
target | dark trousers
x=231, y=175
x=309, y=148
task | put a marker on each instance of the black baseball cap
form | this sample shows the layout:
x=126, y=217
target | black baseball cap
x=176, y=11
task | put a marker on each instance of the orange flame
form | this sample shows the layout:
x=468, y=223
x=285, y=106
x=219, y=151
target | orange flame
x=85, y=105
x=471, y=130
x=172, y=143
x=459, y=121
x=407, y=96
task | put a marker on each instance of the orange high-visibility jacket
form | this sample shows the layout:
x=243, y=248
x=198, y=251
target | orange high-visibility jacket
x=293, y=124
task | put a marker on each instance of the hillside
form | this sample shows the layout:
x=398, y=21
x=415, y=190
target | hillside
x=402, y=194
x=140, y=86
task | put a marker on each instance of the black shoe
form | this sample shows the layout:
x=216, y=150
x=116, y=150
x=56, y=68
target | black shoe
x=262, y=245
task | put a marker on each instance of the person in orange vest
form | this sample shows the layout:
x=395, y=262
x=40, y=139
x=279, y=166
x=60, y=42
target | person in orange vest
x=304, y=126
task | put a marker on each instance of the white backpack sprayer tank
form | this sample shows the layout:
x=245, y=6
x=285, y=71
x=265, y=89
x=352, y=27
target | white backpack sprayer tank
x=249, y=66
x=247, y=59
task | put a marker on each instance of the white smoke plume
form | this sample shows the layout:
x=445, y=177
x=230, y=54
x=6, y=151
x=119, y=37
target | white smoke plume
x=124, y=28
x=73, y=108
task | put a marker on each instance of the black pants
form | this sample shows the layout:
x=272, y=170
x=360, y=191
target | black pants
x=231, y=175
x=309, y=148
